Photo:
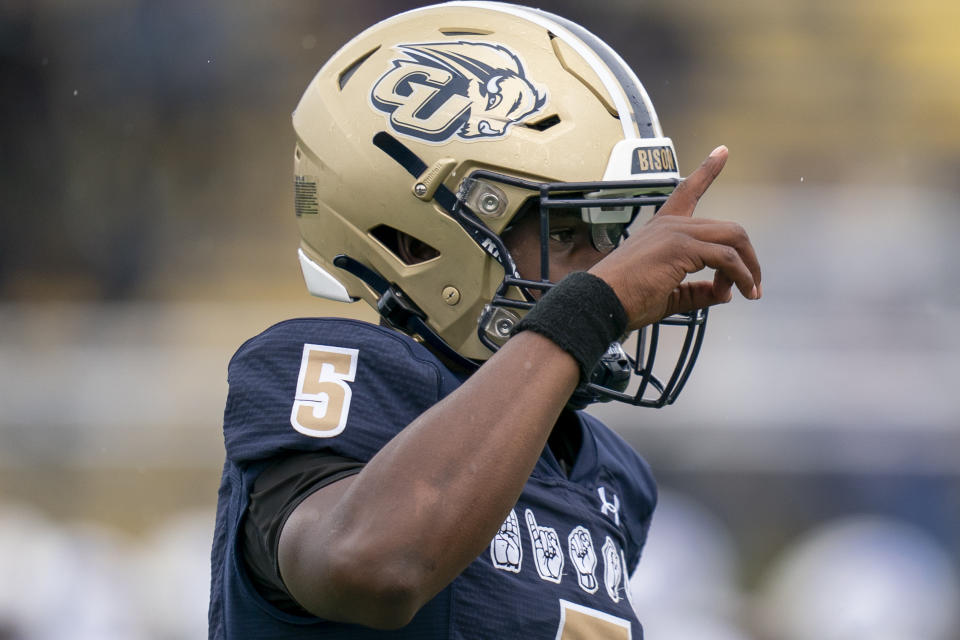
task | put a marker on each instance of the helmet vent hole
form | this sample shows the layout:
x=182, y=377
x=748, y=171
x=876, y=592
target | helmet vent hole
x=347, y=73
x=543, y=124
x=465, y=31
x=403, y=246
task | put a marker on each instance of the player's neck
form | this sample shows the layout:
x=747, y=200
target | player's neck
x=565, y=440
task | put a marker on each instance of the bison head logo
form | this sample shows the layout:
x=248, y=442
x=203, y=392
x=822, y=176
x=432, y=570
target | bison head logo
x=467, y=90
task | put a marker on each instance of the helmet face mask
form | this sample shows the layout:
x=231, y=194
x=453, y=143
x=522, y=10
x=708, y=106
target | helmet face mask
x=629, y=371
x=626, y=377
x=445, y=124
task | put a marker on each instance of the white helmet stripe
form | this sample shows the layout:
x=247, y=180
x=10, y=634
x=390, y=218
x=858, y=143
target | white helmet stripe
x=588, y=51
x=644, y=114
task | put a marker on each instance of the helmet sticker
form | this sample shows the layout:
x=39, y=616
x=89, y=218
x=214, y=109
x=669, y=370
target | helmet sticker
x=438, y=92
x=653, y=160
x=305, y=199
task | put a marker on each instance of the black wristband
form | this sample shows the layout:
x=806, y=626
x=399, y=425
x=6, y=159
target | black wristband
x=582, y=315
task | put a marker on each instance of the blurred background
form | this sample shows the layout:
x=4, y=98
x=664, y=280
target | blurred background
x=810, y=472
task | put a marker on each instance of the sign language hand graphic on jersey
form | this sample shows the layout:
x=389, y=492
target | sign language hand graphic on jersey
x=584, y=558
x=612, y=570
x=547, y=554
x=506, y=552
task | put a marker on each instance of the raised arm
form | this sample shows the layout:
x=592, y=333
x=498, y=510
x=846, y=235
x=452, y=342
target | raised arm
x=375, y=547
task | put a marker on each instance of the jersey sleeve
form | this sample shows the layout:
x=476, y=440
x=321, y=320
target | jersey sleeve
x=338, y=386
x=277, y=491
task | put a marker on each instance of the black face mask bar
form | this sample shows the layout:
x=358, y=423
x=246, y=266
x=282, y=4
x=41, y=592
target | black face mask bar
x=613, y=375
x=617, y=368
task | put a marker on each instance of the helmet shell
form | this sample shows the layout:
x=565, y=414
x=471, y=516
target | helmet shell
x=465, y=86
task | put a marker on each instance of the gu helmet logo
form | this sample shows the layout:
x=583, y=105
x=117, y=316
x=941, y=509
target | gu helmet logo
x=465, y=90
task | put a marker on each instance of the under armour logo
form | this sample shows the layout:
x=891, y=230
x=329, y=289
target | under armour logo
x=609, y=508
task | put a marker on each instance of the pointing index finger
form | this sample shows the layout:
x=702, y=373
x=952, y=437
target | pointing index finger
x=684, y=198
x=531, y=520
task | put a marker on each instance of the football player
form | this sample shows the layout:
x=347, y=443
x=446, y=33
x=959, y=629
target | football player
x=475, y=171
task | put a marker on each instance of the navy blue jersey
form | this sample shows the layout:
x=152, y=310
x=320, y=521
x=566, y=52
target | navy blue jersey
x=558, y=566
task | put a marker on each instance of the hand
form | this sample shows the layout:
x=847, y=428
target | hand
x=505, y=550
x=647, y=270
x=584, y=558
x=612, y=570
x=547, y=554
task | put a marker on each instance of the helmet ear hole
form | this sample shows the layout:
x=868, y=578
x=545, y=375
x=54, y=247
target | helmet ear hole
x=542, y=124
x=403, y=246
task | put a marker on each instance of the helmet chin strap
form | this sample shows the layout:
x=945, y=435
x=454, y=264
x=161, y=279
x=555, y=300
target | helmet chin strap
x=393, y=304
x=487, y=240
x=400, y=312
x=414, y=165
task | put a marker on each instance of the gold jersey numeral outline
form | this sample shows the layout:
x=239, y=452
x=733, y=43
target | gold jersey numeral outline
x=322, y=399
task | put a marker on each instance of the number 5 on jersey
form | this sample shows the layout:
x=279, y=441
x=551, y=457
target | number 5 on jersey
x=322, y=399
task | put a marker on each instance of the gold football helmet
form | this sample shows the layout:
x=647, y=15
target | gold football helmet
x=432, y=130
